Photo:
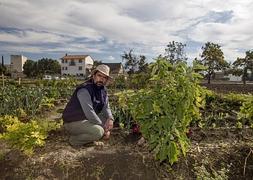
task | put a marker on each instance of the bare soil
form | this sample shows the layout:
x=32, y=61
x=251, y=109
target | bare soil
x=122, y=158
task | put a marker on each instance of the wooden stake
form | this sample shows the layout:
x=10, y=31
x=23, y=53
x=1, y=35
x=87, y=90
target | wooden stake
x=245, y=162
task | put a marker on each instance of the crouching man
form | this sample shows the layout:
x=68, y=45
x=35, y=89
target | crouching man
x=87, y=116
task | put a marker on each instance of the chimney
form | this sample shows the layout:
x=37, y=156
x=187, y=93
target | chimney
x=66, y=54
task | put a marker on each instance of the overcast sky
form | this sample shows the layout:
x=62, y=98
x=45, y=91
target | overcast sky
x=104, y=29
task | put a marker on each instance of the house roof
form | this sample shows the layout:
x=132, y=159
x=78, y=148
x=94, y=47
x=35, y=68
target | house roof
x=77, y=57
x=114, y=67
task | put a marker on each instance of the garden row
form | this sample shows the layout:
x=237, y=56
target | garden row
x=22, y=124
x=165, y=105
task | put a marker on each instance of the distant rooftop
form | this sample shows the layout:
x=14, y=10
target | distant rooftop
x=74, y=56
x=114, y=67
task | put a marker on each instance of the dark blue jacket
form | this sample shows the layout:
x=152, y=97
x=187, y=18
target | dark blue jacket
x=73, y=110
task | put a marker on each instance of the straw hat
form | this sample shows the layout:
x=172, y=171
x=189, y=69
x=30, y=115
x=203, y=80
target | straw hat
x=104, y=69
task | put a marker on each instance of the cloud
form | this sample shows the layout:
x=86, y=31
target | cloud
x=29, y=36
x=108, y=28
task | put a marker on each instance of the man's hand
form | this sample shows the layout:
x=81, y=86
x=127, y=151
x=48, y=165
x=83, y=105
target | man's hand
x=108, y=125
x=106, y=135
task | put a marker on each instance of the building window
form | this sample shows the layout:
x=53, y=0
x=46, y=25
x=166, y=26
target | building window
x=80, y=60
x=66, y=61
x=80, y=68
x=66, y=68
x=62, y=61
x=81, y=74
x=63, y=68
x=72, y=62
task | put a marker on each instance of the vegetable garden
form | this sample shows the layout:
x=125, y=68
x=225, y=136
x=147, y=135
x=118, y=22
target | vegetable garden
x=190, y=131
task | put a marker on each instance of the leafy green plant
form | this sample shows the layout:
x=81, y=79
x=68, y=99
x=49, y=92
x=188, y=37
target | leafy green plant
x=47, y=103
x=222, y=110
x=246, y=112
x=165, y=109
x=26, y=136
x=203, y=174
x=21, y=100
x=6, y=121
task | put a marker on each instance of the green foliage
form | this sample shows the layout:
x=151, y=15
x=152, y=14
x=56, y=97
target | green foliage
x=121, y=115
x=30, y=99
x=222, y=110
x=202, y=173
x=233, y=98
x=58, y=88
x=30, y=68
x=138, y=81
x=175, y=53
x=120, y=82
x=47, y=103
x=246, y=111
x=13, y=98
x=134, y=81
x=165, y=109
x=242, y=65
x=134, y=63
x=6, y=121
x=2, y=69
x=213, y=58
x=26, y=136
x=41, y=67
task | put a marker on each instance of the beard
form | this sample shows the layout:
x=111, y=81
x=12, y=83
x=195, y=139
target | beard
x=99, y=83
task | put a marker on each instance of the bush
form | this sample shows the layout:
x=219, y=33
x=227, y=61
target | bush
x=166, y=107
x=26, y=136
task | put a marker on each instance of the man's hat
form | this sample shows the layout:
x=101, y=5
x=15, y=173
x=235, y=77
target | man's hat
x=104, y=69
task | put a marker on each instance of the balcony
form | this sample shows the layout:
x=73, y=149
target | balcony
x=72, y=63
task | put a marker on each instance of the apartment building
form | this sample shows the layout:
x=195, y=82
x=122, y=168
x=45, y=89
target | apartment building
x=17, y=63
x=76, y=65
x=16, y=66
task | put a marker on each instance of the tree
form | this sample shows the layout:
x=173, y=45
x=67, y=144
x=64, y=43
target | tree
x=246, y=64
x=175, y=52
x=134, y=63
x=48, y=66
x=2, y=67
x=143, y=65
x=213, y=58
x=95, y=64
x=30, y=68
x=41, y=67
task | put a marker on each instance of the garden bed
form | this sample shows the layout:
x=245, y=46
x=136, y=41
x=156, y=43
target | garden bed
x=225, y=152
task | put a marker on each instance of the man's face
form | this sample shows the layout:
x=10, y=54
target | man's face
x=100, y=79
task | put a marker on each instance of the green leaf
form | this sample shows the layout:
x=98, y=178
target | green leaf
x=173, y=152
x=163, y=153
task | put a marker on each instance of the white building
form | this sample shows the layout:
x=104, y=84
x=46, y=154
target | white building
x=232, y=77
x=77, y=65
x=17, y=63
